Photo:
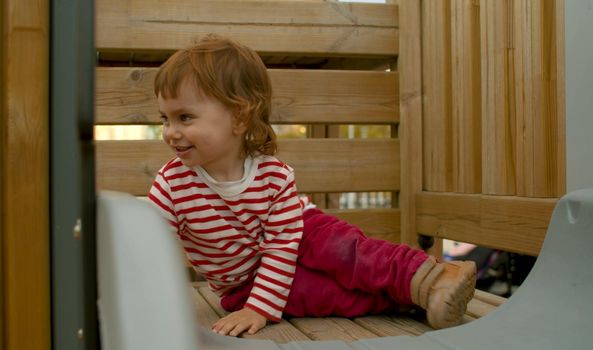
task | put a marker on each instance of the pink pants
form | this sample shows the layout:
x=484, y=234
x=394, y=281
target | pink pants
x=340, y=272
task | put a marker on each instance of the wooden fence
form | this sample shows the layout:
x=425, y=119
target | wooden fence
x=493, y=120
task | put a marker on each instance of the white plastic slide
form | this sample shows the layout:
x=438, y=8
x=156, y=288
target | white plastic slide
x=144, y=301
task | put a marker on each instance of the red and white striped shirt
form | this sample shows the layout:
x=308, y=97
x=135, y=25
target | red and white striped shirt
x=234, y=232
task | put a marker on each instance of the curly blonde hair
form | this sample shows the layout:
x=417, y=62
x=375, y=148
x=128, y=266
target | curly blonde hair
x=234, y=75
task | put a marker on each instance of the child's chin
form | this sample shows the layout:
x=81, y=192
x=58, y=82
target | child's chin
x=188, y=163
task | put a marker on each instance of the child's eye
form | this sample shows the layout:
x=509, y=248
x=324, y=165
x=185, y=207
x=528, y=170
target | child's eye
x=185, y=117
x=164, y=120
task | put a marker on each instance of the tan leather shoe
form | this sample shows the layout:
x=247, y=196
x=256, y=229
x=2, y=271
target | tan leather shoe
x=443, y=290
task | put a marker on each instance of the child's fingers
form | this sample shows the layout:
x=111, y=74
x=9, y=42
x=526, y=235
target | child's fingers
x=223, y=326
x=238, y=322
x=230, y=326
x=254, y=328
x=238, y=329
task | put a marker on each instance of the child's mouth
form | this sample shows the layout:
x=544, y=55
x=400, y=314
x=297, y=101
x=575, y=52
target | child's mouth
x=182, y=151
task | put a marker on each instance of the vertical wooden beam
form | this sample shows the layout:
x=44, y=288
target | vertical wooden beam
x=558, y=72
x=318, y=131
x=324, y=131
x=535, y=68
x=466, y=96
x=3, y=101
x=498, y=115
x=410, y=129
x=436, y=82
x=24, y=185
x=333, y=199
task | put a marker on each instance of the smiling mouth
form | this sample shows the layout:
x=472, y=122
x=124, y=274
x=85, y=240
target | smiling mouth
x=182, y=152
x=182, y=149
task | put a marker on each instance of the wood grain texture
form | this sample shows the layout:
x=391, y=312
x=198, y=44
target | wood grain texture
x=394, y=325
x=381, y=223
x=385, y=326
x=296, y=27
x=3, y=167
x=509, y=223
x=489, y=298
x=331, y=328
x=413, y=325
x=478, y=308
x=466, y=97
x=205, y=313
x=535, y=62
x=436, y=81
x=126, y=96
x=498, y=117
x=330, y=165
x=339, y=328
x=410, y=129
x=321, y=200
x=558, y=71
x=282, y=332
x=24, y=176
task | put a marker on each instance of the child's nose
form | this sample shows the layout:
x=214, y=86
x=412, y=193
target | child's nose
x=171, y=132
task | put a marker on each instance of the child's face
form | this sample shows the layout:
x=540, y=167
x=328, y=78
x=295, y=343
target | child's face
x=201, y=130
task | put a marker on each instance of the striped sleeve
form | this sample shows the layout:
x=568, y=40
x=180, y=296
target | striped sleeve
x=160, y=196
x=279, y=252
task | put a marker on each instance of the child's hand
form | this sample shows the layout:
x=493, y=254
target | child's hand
x=239, y=321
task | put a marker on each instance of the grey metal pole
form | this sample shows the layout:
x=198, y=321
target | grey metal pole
x=74, y=289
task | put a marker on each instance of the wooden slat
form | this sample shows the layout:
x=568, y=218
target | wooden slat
x=410, y=129
x=3, y=171
x=478, y=308
x=489, y=298
x=539, y=152
x=25, y=318
x=558, y=71
x=381, y=325
x=509, y=223
x=212, y=299
x=325, y=200
x=333, y=165
x=206, y=314
x=332, y=328
x=384, y=326
x=282, y=332
x=411, y=325
x=381, y=223
x=338, y=328
x=467, y=319
x=466, y=96
x=126, y=96
x=436, y=78
x=334, y=97
x=321, y=200
x=498, y=124
x=295, y=27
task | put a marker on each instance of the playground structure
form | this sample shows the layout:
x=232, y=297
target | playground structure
x=472, y=93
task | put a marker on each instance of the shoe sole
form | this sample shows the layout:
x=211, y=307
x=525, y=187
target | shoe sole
x=446, y=309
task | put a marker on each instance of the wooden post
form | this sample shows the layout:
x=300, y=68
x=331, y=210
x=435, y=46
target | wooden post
x=498, y=115
x=24, y=174
x=558, y=71
x=410, y=130
x=466, y=95
x=436, y=82
x=318, y=131
x=534, y=50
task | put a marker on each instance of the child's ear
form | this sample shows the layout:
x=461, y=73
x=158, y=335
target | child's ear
x=239, y=125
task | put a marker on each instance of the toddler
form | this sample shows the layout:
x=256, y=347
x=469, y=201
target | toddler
x=236, y=210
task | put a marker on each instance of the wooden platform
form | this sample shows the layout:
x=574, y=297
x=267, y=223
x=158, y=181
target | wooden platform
x=336, y=328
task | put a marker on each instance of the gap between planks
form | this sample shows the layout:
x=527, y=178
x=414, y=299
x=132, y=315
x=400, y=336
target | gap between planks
x=335, y=328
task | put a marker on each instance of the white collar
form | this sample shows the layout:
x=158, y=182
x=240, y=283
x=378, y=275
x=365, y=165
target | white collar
x=231, y=188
